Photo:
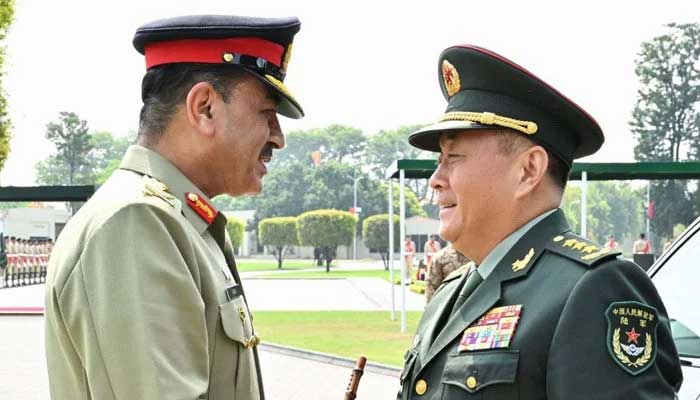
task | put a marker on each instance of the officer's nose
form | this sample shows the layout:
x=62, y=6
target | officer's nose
x=438, y=180
x=276, y=135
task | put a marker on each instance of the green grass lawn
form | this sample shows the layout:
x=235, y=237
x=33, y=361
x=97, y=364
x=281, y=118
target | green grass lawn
x=271, y=265
x=344, y=333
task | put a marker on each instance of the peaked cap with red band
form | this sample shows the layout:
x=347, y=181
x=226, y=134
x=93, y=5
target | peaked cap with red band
x=487, y=91
x=261, y=45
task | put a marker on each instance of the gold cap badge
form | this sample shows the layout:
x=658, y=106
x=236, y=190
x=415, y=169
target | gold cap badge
x=451, y=78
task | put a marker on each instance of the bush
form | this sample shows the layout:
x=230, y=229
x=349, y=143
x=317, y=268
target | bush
x=280, y=233
x=375, y=233
x=326, y=229
x=235, y=228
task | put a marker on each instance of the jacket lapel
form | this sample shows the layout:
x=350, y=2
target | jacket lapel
x=440, y=305
x=515, y=264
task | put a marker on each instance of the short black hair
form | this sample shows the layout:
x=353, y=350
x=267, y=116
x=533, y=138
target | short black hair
x=642, y=236
x=165, y=87
x=511, y=141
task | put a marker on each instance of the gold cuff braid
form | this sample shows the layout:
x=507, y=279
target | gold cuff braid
x=487, y=118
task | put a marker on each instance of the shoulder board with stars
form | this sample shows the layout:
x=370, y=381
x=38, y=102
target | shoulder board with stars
x=579, y=249
x=205, y=210
x=152, y=187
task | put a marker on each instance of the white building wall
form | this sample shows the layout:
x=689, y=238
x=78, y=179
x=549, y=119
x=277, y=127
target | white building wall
x=33, y=222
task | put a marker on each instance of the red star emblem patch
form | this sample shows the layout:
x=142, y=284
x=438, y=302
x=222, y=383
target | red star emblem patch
x=632, y=336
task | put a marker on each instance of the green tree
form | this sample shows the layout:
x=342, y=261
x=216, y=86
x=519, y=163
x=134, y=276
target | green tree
x=346, y=144
x=228, y=203
x=385, y=147
x=375, y=233
x=335, y=142
x=326, y=229
x=283, y=191
x=106, y=154
x=7, y=11
x=300, y=145
x=72, y=164
x=236, y=230
x=614, y=208
x=280, y=233
x=666, y=118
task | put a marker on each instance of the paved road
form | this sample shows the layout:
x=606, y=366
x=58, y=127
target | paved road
x=23, y=367
x=361, y=294
x=358, y=294
x=23, y=373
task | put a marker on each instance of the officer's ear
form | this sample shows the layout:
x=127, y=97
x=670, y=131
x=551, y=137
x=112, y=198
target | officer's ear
x=198, y=107
x=532, y=168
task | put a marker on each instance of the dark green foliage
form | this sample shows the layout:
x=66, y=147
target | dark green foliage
x=82, y=157
x=666, y=118
x=326, y=229
x=298, y=188
x=236, y=230
x=375, y=233
x=614, y=208
x=280, y=233
x=71, y=165
x=7, y=11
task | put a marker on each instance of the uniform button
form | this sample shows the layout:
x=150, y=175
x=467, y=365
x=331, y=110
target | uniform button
x=193, y=197
x=421, y=387
x=471, y=382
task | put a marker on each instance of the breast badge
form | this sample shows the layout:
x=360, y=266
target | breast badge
x=494, y=330
x=632, y=335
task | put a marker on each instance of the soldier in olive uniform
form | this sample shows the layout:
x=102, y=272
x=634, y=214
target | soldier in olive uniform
x=445, y=262
x=543, y=313
x=143, y=300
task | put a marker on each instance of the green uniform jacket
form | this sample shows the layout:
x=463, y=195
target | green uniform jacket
x=135, y=299
x=561, y=348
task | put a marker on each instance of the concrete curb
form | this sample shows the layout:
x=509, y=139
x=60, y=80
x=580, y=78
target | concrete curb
x=331, y=359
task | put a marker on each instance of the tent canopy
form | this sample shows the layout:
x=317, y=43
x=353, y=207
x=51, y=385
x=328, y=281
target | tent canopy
x=422, y=169
x=46, y=193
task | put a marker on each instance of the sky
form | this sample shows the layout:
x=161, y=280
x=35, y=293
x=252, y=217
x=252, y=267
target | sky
x=368, y=64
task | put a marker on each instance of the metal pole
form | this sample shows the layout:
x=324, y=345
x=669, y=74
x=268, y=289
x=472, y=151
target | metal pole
x=402, y=229
x=354, y=209
x=584, y=194
x=391, y=248
x=648, y=204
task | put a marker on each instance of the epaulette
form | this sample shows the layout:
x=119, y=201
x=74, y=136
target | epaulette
x=152, y=187
x=581, y=250
x=458, y=272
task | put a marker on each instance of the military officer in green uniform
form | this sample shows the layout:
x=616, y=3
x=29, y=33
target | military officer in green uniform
x=543, y=313
x=143, y=300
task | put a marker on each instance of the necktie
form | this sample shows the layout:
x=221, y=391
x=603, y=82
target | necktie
x=473, y=280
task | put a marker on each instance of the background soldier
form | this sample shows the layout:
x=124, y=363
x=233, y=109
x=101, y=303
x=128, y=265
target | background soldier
x=445, y=262
x=543, y=313
x=143, y=300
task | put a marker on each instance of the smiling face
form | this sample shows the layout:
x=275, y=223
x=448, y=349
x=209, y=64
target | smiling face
x=475, y=184
x=246, y=136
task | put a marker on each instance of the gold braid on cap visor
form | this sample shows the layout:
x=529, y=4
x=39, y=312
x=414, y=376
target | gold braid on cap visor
x=487, y=118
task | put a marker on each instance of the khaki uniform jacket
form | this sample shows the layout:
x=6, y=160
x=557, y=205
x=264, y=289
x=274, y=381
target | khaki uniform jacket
x=135, y=299
x=571, y=294
x=444, y=262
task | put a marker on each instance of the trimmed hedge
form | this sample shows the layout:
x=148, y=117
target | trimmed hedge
x=326, y=229
x=280, y=233
x=375, y=234
x=236, y=229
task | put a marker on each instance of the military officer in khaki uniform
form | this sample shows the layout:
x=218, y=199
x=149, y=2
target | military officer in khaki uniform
x=143, y=300
x=445, y=262
x=543, y=313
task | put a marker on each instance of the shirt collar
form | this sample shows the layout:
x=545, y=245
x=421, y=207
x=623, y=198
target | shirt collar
x=147, y=162
x=494, y=257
